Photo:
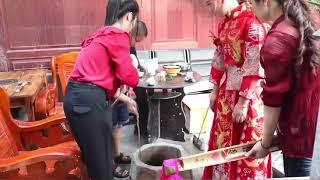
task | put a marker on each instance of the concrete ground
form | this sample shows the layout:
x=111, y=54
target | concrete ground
x=129, y=145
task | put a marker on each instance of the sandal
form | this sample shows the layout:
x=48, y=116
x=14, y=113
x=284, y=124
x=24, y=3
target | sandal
x=118, y=172
x=122, y=159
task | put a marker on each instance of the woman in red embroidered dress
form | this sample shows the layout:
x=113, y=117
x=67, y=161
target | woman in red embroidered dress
x=236, y=101
x=291, y=94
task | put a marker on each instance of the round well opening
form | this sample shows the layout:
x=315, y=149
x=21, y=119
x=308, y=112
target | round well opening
x=155, y=155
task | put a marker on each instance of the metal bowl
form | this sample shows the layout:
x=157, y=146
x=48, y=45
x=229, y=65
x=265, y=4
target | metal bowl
x=172, y=70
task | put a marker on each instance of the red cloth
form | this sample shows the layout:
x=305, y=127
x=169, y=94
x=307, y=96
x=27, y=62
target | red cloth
x=238, y=33
x=238, y=45
x=298, y=97
x=173, y=163
x=216, y=74
x=105, y=60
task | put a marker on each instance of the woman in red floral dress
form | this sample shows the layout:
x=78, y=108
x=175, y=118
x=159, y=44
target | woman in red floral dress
x=236, y=101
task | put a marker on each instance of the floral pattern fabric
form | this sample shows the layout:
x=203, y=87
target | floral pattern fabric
x=238, y=58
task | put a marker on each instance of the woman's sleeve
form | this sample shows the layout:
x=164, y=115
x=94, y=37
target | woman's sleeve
x=119, y=50
x=217, y=64
x=252, y=69
x=217, y=67
x=278, y=54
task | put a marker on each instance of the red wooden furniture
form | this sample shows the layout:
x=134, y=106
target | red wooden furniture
x=54, y=160
x=47, y=102
x=64, y=64
x=26, y=97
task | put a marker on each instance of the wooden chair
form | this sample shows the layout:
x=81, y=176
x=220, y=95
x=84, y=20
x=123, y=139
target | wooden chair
x=60, y=161
x=47, y=101
x=64, y=66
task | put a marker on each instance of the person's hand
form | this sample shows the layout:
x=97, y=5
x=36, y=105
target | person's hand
x=132, y=94
x=258, y=152
x=240, y=111
x=124, y=89
x=133, y=107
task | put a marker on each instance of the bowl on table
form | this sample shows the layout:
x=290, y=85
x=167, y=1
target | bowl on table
x=184, y=66
x=172, y=70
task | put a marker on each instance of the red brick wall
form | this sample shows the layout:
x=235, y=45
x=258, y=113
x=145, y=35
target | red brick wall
x=32, y=31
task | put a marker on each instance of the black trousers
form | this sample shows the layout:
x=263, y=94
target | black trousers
x=89, y=114
x=142, y=101
x=297, y=167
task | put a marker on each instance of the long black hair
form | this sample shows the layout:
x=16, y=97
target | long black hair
x=299, y=11
x=116, y=9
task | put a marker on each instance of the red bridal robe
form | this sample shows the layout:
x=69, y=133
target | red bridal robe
x=241, y=36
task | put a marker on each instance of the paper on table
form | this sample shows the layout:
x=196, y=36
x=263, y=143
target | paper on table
x=152, y=66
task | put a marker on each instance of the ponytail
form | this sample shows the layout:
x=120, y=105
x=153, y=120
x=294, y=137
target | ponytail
x=116, y=9
x=299, y=12
x=112, y=12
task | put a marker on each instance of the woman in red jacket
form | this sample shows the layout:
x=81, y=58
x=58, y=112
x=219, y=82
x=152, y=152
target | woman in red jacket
x=292, y=89
x=103, y=65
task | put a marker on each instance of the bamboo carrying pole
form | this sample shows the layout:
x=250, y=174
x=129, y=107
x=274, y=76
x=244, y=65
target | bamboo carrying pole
x=219, y=156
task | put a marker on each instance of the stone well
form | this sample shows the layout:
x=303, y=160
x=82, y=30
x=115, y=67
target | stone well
x=149, y=165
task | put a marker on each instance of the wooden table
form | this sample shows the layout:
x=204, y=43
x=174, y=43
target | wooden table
x=172, y=82
x=170, y=98
x=27, y=95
